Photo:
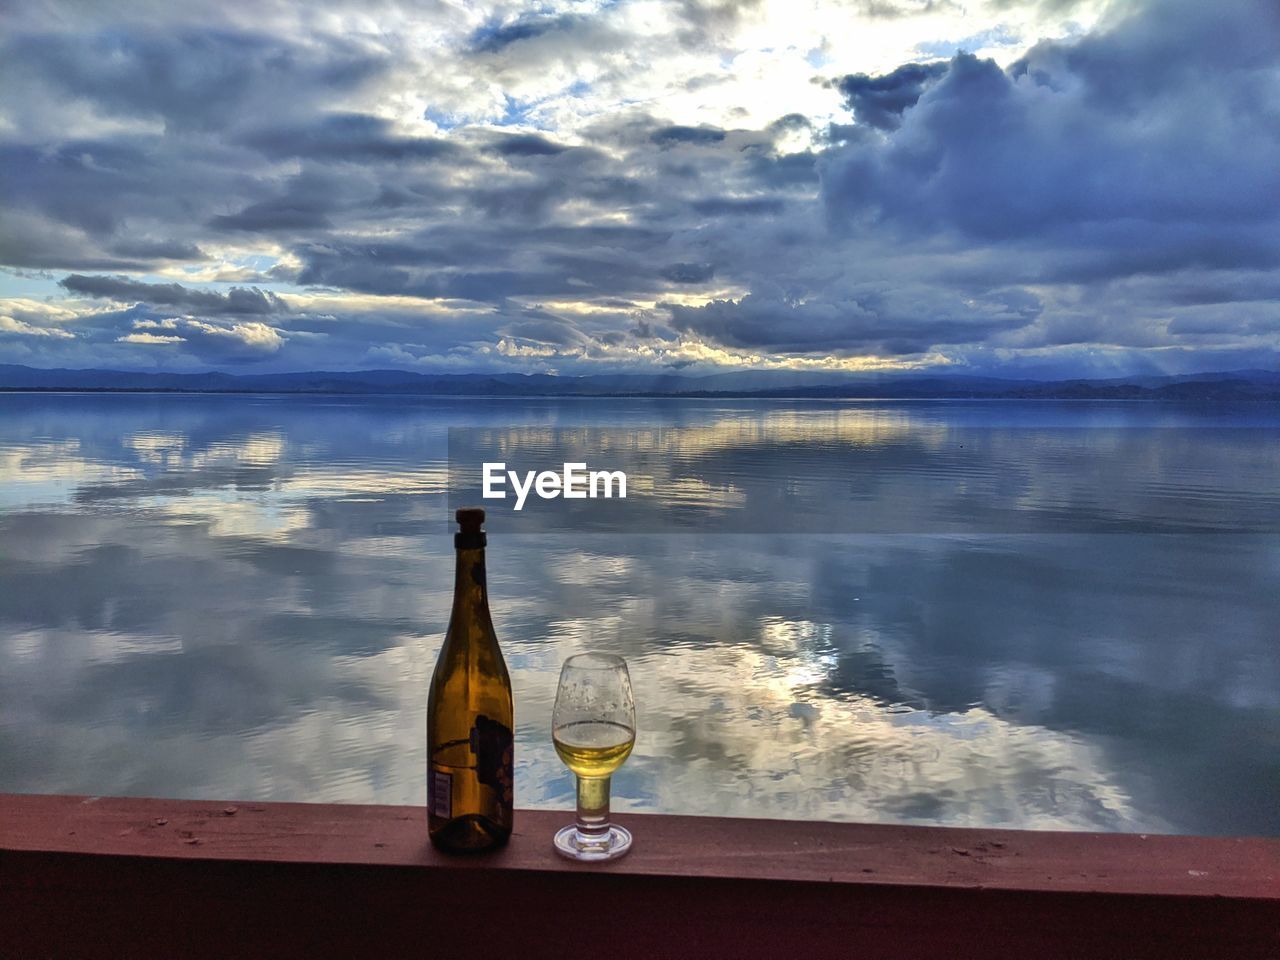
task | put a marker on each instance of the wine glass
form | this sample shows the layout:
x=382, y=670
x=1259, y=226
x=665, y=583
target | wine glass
x=593, y=726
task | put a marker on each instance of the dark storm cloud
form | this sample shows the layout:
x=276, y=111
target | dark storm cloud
x=629, y=237
x=515, y=249
x=194, y=81
x=134, y=197
x=688, y=272
x=673, y=135
x=284, y=214
x=739, y=206
x=1135, y=145
x=481, y=284
x=496, y=37
x=903, y=320
x=122, y=203
x=236, y=300
x=305, y=204
x=520, y=201
x=158, y=249
x=528, y=145
x=426, y=250
x=880, y=101
x=602, y=270
x=780, y=172
x=79, y=183
x=541, y=176
x=346, y=137
x=41, y=244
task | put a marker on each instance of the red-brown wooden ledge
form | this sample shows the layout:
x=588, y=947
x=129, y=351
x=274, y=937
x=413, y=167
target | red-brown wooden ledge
x=111, y=877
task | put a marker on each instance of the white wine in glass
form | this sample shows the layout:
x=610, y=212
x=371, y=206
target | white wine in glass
x=593, y=727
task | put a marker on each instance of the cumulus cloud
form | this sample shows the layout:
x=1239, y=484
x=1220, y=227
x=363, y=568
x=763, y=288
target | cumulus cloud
x=235, y=300
x=881, y=101
x=149, y=338
x=13, y=327
x=1097, y=143
x=23, y=318
x=249, y=340
x=1141, y=150
x=232, y=343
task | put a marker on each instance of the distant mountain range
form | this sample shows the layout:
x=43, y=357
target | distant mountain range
x=1232, y=385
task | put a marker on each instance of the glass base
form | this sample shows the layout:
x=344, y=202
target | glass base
x=577, y=846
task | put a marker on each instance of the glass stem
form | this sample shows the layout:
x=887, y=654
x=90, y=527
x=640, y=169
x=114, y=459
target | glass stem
x=593, y=808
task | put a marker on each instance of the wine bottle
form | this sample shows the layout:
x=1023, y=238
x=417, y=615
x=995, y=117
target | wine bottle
x=470, y=715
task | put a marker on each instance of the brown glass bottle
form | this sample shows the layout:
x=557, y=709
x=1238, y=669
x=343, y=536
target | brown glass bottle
x=470, y=715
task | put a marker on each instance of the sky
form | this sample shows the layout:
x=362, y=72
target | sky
x=1048, y=188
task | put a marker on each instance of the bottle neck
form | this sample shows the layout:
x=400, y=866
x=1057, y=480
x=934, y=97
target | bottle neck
x=470, y=589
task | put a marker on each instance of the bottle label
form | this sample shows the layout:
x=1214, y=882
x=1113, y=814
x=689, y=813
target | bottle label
x=491, y=744
x=440, y=801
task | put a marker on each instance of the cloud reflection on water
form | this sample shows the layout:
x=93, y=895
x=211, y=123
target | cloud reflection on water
x=243, y=598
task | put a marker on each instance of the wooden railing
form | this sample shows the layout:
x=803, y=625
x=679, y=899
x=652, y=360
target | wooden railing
x=124, y=878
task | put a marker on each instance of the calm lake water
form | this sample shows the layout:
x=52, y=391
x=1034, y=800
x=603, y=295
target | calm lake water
x=1031, y=615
